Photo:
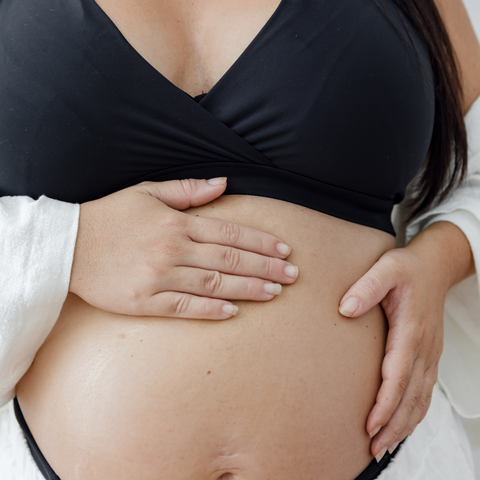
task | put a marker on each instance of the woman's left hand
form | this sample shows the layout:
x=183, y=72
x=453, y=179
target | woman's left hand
x=412, y=293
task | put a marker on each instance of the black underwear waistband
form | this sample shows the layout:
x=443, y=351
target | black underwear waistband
x=372, y=471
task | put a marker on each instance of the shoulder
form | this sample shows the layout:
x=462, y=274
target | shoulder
x=466, y=46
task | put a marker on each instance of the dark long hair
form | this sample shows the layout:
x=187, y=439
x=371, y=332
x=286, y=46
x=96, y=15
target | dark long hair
x=446, y=163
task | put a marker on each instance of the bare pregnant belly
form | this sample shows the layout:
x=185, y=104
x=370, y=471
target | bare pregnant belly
x=281, y=391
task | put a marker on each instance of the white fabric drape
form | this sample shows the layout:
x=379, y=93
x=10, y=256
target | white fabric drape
x=459, y=371
x=37, y=242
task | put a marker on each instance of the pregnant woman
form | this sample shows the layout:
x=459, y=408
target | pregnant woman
x=319, y=114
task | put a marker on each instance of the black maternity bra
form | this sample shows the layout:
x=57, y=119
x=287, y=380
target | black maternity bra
x=329, y=107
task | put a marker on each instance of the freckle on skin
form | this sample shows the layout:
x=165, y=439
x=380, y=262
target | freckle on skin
x=122, y=335
x=131, y=355
x=209, y=372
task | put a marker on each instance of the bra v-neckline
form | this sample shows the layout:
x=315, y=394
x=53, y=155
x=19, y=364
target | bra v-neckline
x=163, y=78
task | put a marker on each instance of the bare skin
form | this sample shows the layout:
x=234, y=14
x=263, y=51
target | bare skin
x=185, y=40
x=438, y=257
x=141, y=230
x=466, y=46
x=280, y=391
x=178, y=38
x=277, y=363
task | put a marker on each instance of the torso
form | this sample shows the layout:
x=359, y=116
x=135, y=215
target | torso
x=281, y=391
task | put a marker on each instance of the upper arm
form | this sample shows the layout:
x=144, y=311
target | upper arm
x=466, y=46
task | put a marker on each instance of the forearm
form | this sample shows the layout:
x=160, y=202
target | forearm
x=448, y=233
x=446, y=251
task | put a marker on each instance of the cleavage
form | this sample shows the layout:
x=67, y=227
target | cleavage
x=192, y=43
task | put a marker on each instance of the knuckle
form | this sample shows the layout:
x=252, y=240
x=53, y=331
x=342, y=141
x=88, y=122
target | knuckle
x=371, y=285
x=397, y=429
x=390, y=410
x=213, y=282
x=410, y=403
x=395, y=262
x=250, y=287
x=232, y=259
x=402, y=384
x=208, y=308
x=135, y=302
x=181, y=305
x=432, y=380
x=389, y=406
x=230, y=232
x=267, y=267
x=417, y=340
x=147, y=275
x=263, y=242
x=189, y=186
x=423, y=400
x=169, y=249
x=148, y=270
x=189, y=224
x=173, y=221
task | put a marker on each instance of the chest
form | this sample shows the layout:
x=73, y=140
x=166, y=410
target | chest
x=191, y=42
x=317, y=102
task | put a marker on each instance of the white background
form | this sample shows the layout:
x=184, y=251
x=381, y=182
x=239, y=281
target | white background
x=473, y=7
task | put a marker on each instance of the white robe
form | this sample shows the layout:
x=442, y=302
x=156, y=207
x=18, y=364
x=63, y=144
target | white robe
x=459, y=370
x=37, y=242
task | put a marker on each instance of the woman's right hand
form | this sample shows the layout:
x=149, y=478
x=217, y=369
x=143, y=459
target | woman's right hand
x=137, y=254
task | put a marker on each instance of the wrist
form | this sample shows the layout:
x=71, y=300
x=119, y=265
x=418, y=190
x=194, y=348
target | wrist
x=444, y=250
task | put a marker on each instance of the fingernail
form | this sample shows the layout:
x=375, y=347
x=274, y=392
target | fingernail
x=381, y=454
x=291, y=271
x=273, y=288
x=374, y=432
x=283, y=249
x=349, y=306
x=393, y=447
x=217, y=181
x=230, y=309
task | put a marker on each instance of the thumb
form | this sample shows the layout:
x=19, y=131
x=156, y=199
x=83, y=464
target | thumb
x=182, y=194
x=369, y=291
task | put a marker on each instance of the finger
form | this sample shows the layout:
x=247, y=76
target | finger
x=421, y=409
x=397, y=369
x=214, y=284
x=422, y=404
x=370, y=290
x=182, y=194
x=183, y=305
x=407, y=412
x=221, y=232
x=239, y=262
x=409, y=429
x=430, y=381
